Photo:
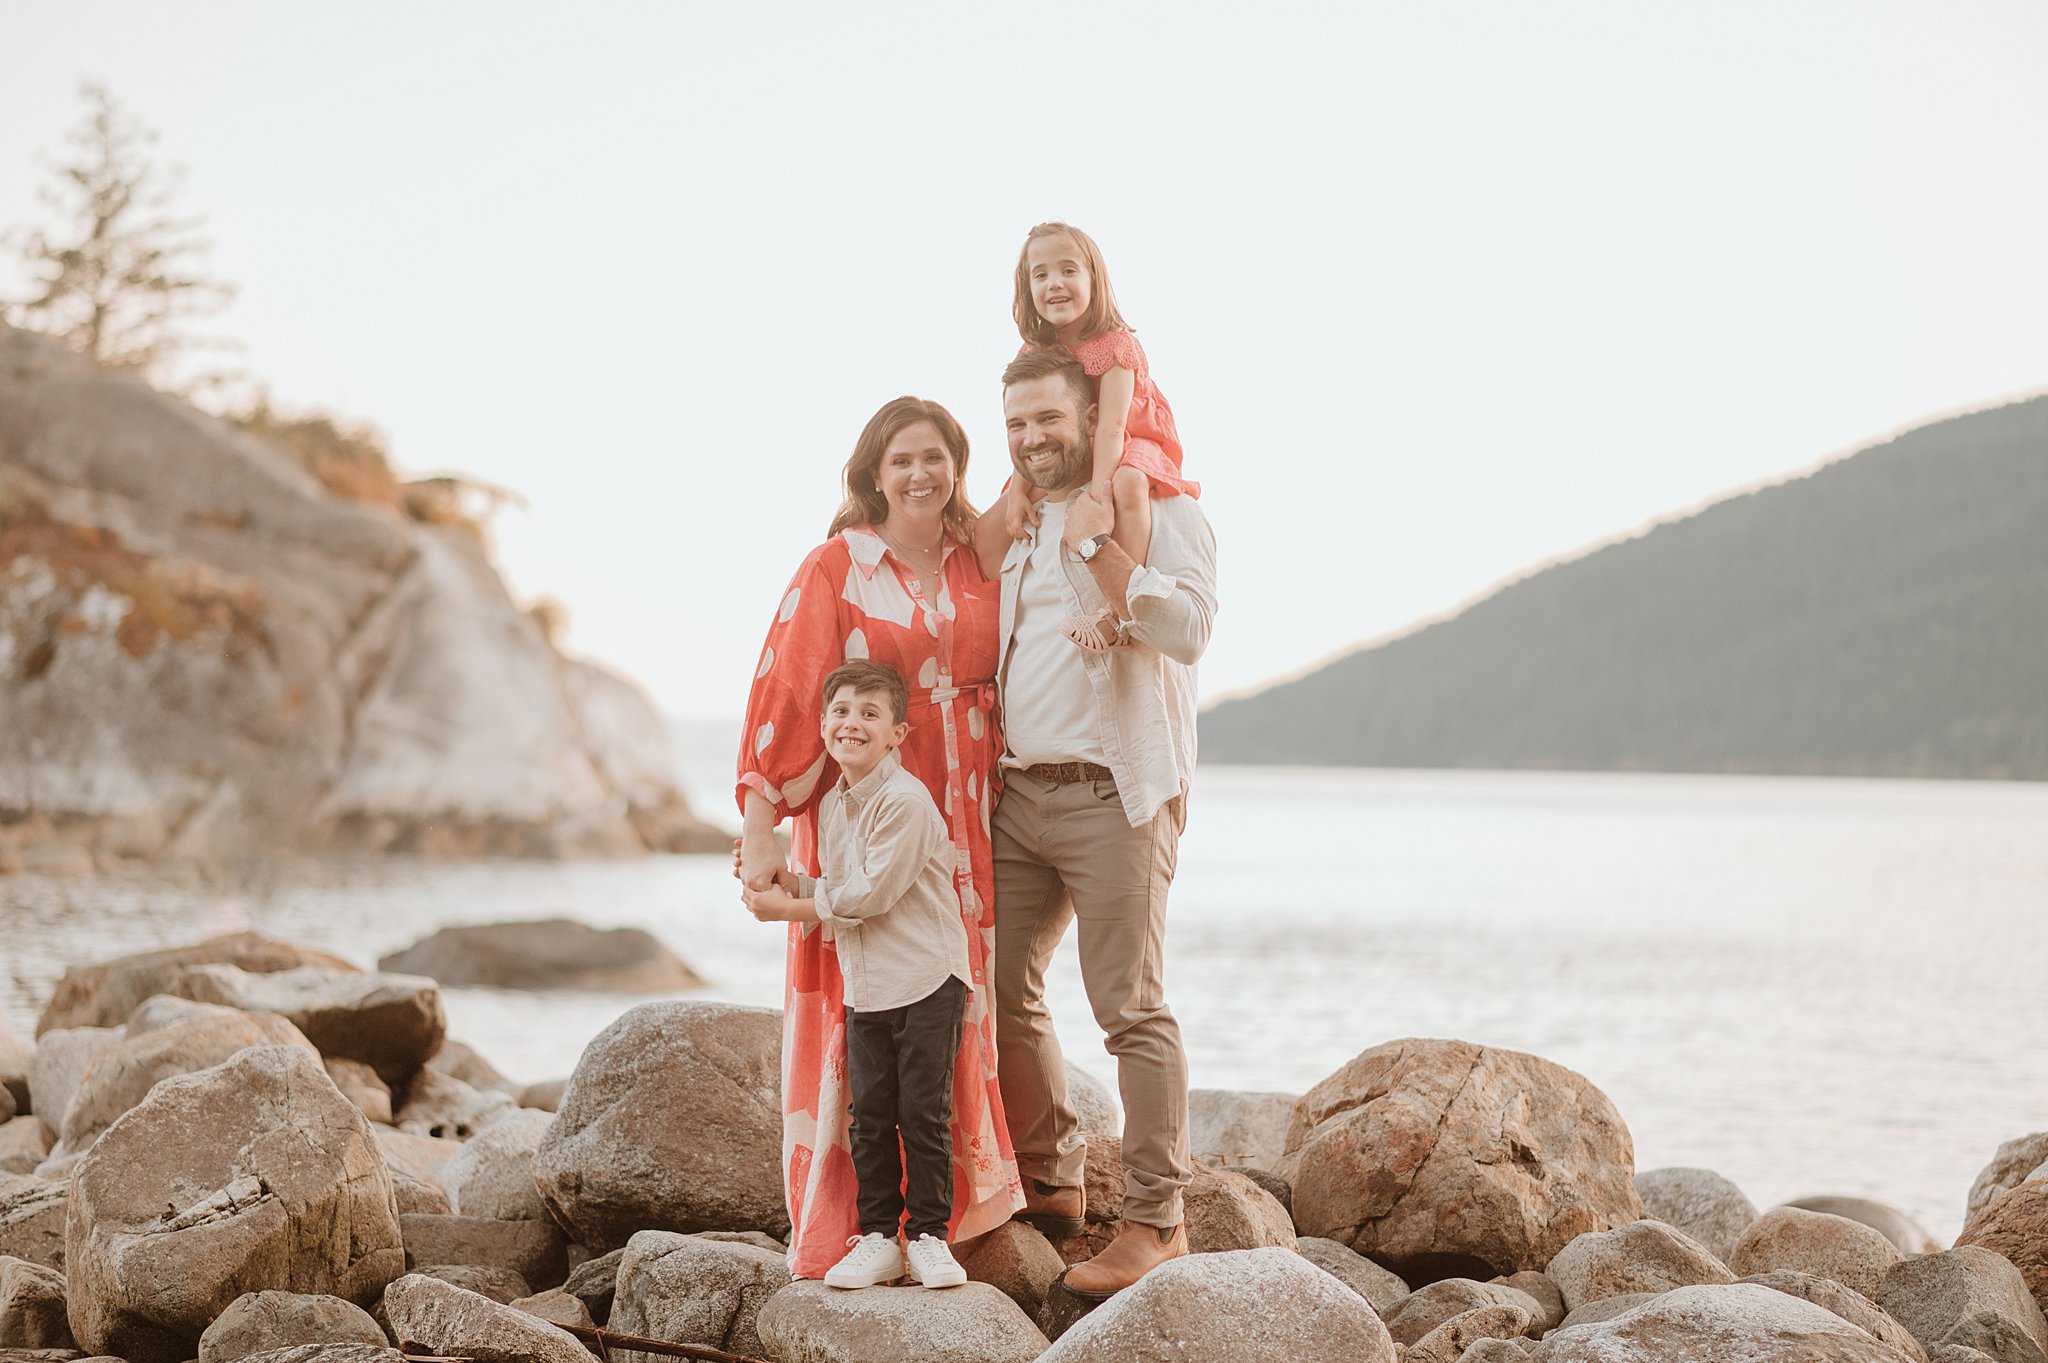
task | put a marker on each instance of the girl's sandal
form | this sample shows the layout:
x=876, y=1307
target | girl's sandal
x=1096, y=633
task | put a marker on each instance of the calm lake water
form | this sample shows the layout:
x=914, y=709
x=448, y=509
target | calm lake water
x=1811, y=986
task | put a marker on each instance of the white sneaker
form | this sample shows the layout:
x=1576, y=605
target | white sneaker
x=931, y=1262
x=870, y=1259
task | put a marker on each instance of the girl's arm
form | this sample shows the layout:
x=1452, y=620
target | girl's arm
x=1112, y=410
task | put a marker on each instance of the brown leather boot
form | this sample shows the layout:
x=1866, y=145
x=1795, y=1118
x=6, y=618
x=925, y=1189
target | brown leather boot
x=1055, y=1210
x=1136, y=1251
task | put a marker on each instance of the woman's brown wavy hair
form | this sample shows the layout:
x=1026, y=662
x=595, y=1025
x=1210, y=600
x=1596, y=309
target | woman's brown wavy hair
x=1101, y=315
x=865, y=504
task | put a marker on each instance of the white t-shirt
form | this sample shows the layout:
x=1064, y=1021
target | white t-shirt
x=1050, y=713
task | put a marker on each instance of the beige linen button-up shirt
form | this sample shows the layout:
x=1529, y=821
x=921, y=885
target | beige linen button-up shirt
x=887, y=893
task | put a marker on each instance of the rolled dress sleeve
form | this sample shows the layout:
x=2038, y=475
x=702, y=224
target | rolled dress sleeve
x=782, y=755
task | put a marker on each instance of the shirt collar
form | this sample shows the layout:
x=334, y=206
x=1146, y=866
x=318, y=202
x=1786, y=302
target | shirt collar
x=869, y=549
x=858, y=795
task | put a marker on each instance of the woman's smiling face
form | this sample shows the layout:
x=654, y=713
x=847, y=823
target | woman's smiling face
x=916, y=472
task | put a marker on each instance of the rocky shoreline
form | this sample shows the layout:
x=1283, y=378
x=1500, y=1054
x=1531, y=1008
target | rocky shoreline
x=247, y=1149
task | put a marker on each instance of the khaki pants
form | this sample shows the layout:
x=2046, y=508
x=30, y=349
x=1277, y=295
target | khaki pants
x=1064, y=852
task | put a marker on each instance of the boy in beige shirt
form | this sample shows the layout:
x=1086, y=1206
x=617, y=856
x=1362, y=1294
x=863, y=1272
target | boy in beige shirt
x=887, y=896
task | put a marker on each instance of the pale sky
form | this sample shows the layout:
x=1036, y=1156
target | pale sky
x=1438, y=292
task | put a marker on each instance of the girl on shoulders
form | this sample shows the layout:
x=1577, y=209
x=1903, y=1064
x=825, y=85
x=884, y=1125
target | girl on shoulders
x=1063, y=298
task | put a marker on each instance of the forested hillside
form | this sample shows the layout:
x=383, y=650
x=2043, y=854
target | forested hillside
x=1886, y=614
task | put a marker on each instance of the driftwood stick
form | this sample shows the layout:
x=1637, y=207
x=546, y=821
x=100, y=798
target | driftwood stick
x=605, y=1341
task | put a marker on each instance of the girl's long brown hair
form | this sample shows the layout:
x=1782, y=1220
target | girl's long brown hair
x=1101, y=315
x=865, y=504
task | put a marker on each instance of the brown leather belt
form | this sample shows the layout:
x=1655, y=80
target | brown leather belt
x=1067, y=773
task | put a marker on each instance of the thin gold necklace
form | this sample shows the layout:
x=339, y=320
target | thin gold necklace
x=891, y=541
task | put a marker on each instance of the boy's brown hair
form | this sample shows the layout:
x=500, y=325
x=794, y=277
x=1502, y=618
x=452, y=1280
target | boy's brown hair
x=1101, y=314
x=866, y=676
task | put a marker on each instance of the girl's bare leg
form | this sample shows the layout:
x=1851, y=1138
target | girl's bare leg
x=1131, y=496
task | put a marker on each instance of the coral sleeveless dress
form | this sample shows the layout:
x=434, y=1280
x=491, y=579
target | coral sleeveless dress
x=1151, y=443
x=853, y=599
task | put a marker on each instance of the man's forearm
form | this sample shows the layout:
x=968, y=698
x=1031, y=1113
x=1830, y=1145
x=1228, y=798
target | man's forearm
x=1112, y=569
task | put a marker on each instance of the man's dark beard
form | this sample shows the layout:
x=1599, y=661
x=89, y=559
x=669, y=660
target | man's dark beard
x=1070, y=472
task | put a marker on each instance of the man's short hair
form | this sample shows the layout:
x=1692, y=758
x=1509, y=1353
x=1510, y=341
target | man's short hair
x=866, y=677
x=1046, y=364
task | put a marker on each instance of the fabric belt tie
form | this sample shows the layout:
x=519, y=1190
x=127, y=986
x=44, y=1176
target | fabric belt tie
x=1067, y=773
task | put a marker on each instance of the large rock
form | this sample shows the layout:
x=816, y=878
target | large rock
x=444, y=1107
x=672, y=1121
x=1094, y=1104
x=105, y=993
x=61, y=1059
x=808, y=1322
x=460, y=1060
x=229, y=657
x=448, y=1320
x=1427, y=1307
x=32, y=1218
x=557, y=1307
x=1699, y=1202
x=554, y=953
x=1441, y=1157
x=492, y=1175
x=32, y=1312
x=1834, y=1247
x=261, y=1321
x=1226, y=1126
x=1448, y=1342
x=535, y=1250
x=392, y=1023
x=1933, y=1294
x=24, y=1143
x=1717, y=1323
x=121, y=1076
x=1226, y=1210
x=1244, y=1306
x=2015, y=1224
x=1908, y=1235
x=360, y=1085
x=424, y=1157
x=1015, y=1260
x=1643, y=1256
x=1544, y=1291
x=255, y=1174
x=1380, y=1288
x=2016, y=1161
x=594, y=1282
x=684, y=1290
x=501, y=1285
x=1845, y=1302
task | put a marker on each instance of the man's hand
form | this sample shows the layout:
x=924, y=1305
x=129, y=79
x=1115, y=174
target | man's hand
x=1087, y=518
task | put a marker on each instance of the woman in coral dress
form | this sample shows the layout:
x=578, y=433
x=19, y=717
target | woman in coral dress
x=897, y=582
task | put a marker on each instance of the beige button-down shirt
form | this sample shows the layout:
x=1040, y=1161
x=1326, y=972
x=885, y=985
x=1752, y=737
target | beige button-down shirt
x=1144, y=695
x=887, y=893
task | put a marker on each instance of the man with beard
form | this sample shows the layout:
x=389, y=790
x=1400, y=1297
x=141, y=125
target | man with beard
x=1100, y=746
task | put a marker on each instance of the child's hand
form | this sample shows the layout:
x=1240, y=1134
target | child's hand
x=1103, y=490
x=1020, y=512
x=767, y=906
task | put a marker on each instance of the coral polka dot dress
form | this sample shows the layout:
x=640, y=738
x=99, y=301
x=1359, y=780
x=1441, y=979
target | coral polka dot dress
x=852, y=598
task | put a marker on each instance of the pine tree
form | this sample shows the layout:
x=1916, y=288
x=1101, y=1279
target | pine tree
x=119, y=274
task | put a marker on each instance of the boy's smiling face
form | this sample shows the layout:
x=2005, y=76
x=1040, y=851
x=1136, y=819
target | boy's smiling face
x=860, y=728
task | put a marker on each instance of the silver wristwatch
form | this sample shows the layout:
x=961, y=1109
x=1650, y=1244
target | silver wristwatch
x=1092, y=546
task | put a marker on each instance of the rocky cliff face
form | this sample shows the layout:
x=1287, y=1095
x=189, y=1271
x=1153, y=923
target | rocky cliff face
x=204, y=654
